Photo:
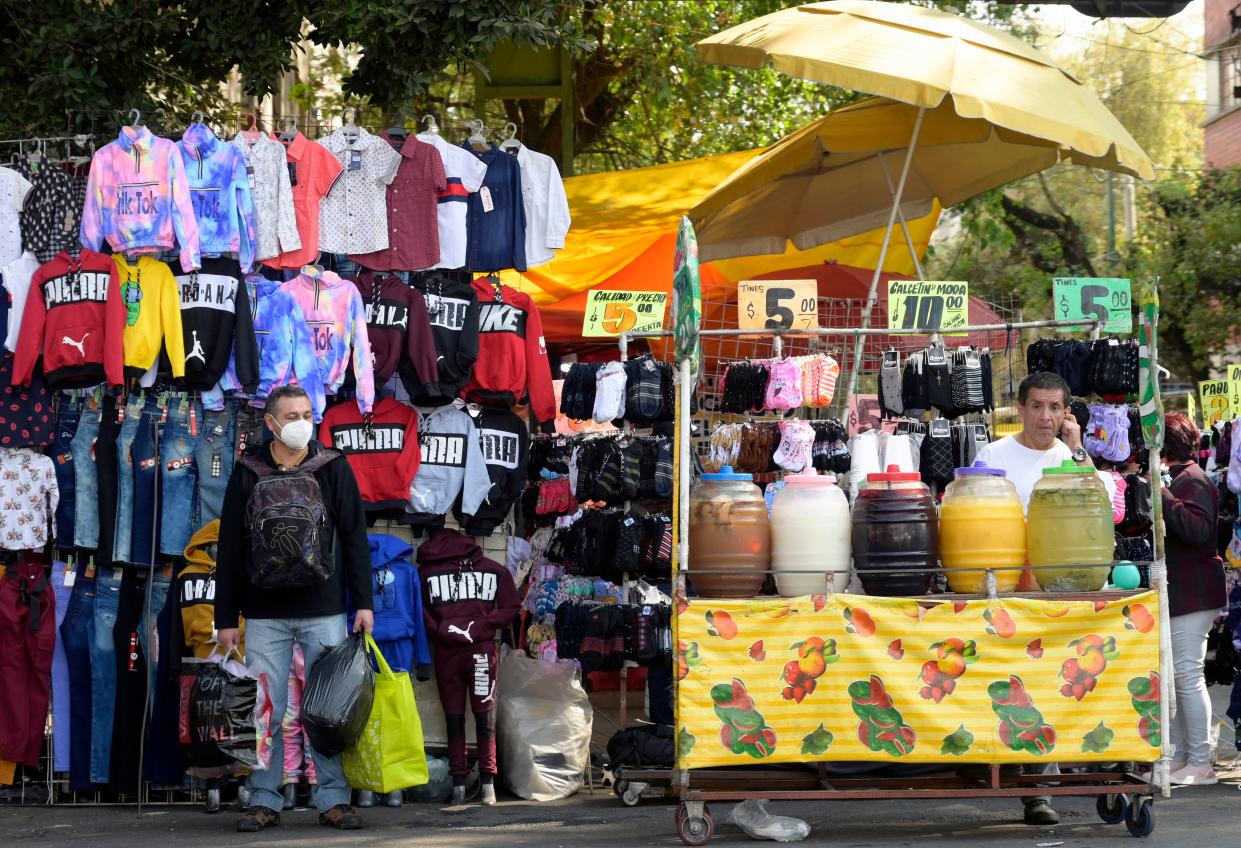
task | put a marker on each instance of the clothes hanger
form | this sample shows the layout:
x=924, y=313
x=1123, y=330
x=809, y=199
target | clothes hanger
x=290, y=132
x=349, y=127
x=431, y=126
x=511, y=143
x=478, y=138
x=397, y=130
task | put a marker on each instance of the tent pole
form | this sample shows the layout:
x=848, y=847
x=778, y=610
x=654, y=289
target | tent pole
x=855, y=367
x=900, y=217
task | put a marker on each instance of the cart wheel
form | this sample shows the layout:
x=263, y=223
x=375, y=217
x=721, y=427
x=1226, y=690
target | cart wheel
x=694, y=831
x=1112, y=808
x=628, y=797
x=1141, y=818
x=618, y=787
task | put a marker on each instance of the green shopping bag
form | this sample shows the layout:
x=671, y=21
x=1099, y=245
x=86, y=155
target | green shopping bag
x=389, y=754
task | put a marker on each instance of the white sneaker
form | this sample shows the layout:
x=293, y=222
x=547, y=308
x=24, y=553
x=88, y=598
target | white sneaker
x=1192, y=775
x=489, y=795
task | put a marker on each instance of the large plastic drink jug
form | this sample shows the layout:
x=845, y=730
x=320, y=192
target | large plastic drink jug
x=1069, y=523
x=729, y=536
x=895, y=529
x=810, y=544
x=982, y=525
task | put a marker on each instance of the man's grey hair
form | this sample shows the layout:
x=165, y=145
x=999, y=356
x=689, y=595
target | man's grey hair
x=273, y=399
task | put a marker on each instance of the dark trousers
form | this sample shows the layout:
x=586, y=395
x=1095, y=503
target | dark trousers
x=27, y=641
x=468, y=673
x=76, y=633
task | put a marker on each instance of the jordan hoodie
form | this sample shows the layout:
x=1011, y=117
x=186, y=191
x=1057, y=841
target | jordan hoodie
x=397, y=325
x=452, y=307
x=75, y=320
x=451, y=464
x=505, y=440
x=336, y=317
x=138, y=198
x=216, y=323
x=466, y=597
x=152, y=315
x=512, y=356
x=383, y=450
x=400, y=627
x=220, y=190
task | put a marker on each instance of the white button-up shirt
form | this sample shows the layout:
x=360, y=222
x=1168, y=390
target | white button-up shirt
x=353, y=218
x=465, y=174
x=275, y=219
x=547, y=207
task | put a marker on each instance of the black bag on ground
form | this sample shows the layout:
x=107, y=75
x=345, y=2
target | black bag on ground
x=340, y=689
x=643, y=747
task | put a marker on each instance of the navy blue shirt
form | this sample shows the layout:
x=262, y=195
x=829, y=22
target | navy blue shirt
x=496, y=240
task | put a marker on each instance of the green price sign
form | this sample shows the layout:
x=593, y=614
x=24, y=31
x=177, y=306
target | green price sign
x=1109, y=299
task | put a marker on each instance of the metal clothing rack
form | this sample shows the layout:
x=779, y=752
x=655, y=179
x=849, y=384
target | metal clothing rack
x=694, y=824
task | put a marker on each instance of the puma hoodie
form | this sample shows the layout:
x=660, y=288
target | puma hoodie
x=451, y=464
x=466, y=597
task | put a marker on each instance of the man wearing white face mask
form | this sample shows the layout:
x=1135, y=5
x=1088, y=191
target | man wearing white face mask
x=292, y=541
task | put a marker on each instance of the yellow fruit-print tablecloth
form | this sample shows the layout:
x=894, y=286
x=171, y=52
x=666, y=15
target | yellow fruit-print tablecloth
x=852, y=677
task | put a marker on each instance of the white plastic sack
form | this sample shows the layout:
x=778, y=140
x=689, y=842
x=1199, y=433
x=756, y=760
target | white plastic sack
x=752, y=817
x=543, y=727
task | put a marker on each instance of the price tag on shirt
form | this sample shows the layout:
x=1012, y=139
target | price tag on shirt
x=931, y=305
x=484, y=195
x=355, y=160
x=777, y=305
x=250, y=175
x=1106, y=299
x=292, y=173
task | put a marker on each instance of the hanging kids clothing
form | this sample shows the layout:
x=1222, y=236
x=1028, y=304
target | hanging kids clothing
x=337, y=321
x=505, y=440
x=275, y=222
x=220, y=191
x=463, y=173
x=496, y=233
x=453, y=311
x=152, y=315
x=382, y=448
x=412, y=198
x=451, y=464
x=216, y=323
x=512, y=356
x=353, y=217
x=313, y=170
x=397, y=326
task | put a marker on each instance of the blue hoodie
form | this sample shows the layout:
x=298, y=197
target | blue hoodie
x=399, y=629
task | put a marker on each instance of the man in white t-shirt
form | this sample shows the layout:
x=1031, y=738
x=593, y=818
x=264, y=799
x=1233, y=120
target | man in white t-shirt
x=1049, y=435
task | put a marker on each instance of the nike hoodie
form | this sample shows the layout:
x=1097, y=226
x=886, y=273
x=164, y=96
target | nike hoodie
x=451, y=464
x=400, y=627
x=505, y=441
x=382, y=450
x=216, y=323
x=337, y=321
x=452, y=307
x=512, y=356
x=75, y=320
x=397, y=326
x=138, y=198
x=196, y=593
x=466, y=597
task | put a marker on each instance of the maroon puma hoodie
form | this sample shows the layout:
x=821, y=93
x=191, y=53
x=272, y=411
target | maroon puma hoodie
x=463, y=592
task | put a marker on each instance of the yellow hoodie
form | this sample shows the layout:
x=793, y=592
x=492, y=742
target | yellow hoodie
x=196, y=593
x=152, y=315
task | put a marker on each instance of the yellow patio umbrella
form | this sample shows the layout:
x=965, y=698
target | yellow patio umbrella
x=835, y=177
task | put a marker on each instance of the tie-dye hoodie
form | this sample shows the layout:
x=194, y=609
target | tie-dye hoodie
x=138, y=198
x=286, y=352
x=220, y=189
x=336, y=317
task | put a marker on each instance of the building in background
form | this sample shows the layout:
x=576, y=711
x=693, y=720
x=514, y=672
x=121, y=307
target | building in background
x=1222, y=40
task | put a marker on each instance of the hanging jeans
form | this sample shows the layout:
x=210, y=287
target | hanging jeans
x=103, y=672
x=269, y=650
x=179, y=475
x=62, y=724
x=85, y=480
x=62, y=458
x=107, y=470
x=214, y=456
x=77, y=634
x=143, y=544
x=164, y=766
x=27, y=642
x=122, y=541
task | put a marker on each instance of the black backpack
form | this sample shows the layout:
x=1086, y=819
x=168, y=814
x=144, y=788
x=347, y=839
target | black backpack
x=642, y=747
x=1138, y=518
x=287, y=521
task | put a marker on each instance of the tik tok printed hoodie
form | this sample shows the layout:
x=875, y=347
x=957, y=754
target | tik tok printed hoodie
x=75, y=320
x=452, y=464
x=220, y=190
x=137, y=198
x=216, y=323
x=336, y=317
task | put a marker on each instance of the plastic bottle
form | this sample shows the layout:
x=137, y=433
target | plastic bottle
x=810, y=532
x=895, y=529
x=982, y=525
x=1069, y=523
x=729, y=533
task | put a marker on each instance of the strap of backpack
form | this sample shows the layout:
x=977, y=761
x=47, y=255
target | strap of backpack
x=258, y=466
x=322, y=458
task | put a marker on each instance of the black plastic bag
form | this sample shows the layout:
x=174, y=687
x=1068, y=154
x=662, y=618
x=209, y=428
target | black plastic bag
x=225, y=717
x=340, y=689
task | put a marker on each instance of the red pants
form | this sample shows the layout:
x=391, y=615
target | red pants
x=468, y=672
x=27, y=641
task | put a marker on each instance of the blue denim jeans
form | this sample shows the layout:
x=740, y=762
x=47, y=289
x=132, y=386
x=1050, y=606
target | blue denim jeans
x=62, y=724
x=62, y=458
x=269, y=649
x=148, y=624
x=145, y=460
x=340, y=263
x=251, y=429
x=86, y=481
x=214, y=456
x=121, y=543
x=103, y=673
x=180, y=475
x=77, y=634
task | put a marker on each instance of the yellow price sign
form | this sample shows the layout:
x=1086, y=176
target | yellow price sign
x=610, y=313
x=929, y=305
x=1234, y=389
x=1216, y=401
x=778, y=305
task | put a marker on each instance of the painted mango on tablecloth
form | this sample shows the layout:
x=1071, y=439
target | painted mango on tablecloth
x=844, y=677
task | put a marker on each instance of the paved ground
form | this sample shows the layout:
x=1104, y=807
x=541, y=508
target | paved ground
x=1200, y=817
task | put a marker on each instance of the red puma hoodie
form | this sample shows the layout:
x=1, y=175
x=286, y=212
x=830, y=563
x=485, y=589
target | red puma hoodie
x=75, y=320
x=466, y=597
